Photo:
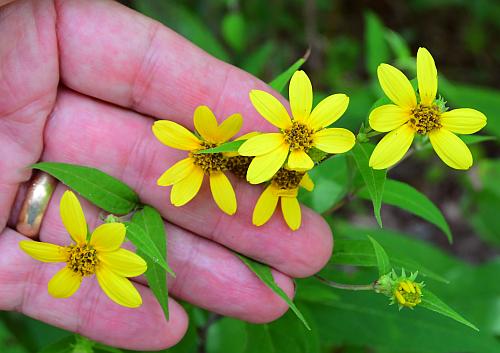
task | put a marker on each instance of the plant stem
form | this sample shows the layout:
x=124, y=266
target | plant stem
x=354, y=287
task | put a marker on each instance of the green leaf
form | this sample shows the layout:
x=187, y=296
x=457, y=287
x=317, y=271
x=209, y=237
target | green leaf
x=465, y=96
x=138, y=236
x=231, y=146
x=152, y=223
x=374, y=179
x=283, y=335
x=383, y=262
x=234, y=31
x=101, y=189
x=473, y=139
x=431, y=302
x=281, y=80
x=398, y=45
x=64, y=345
x=264, y=273
x=359, y=252
x=406, y=197
x=256, y=61
x=331, y=184
x=376, y=46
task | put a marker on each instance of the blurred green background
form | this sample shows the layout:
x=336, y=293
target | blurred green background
x=347, y=40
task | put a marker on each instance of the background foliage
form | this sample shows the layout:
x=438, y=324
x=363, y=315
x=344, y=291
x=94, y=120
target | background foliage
x=348, y=39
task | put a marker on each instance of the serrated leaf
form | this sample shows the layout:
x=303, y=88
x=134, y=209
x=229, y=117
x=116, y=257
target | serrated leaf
x=152, y=223
x=263, y=272
x=406, y=197
x=431, y=302
x=231, y=146
x=281, y=80
x=374, y=179
x=383, y=262
x=138, y=236
x=101, y=189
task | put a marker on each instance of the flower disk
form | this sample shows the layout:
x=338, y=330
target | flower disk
x=408, y=293
x=299, y=136
x=424, y=119
x=209, y=162
x=82, y=259
x=287, y=179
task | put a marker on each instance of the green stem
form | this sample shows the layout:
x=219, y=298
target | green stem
x=345, y=286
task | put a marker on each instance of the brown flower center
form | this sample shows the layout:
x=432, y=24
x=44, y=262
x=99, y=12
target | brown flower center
x=299, y=136
x=425, y=119
x=82, y=259
x=209, y=162
x=239, y=165
x=287, y=179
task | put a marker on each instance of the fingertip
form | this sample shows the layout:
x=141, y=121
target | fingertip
x=316, y=247
x=273, y=306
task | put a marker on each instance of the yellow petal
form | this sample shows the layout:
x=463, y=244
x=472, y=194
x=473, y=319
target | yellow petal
x=108, y=236
x=427, y=76
x=118, y=288
x=392, y=147
x=300, y=95
x=222, y=192
x=206, y=124
x=451, y=149
x=262, y=168
x=72, y=217
x=396, y=86
x=388, y=117
x=184, y=191
x=229, y=127
x=175, y=135
x=306, y=182
x=123, y=262
x=291, y=212
x=261, y=144
x=248, y=135
x=299, y=160
x=265, y=206
x=328, y=111
x=334, y=140
x=44, y=252
x=177, y=172
x=64, y=283
x=270, y=108
x=463, y=121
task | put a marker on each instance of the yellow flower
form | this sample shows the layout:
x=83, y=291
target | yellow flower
x=101, y=255
x=298, y=135
x=284, y=186
x=407, y=117
x=408, y=293
x=186, y=175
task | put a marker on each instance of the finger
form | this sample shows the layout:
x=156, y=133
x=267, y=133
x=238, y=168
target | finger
x=28, y=83
x=88, y=312
x=135, y=62
x=84, y=131
x=207, y=274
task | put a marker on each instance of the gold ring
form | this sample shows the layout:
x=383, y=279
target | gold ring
x=40, y=189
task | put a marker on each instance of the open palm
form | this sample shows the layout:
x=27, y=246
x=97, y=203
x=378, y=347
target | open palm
x=82, y=82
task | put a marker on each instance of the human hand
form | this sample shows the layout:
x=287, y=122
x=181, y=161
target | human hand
x=79, y=83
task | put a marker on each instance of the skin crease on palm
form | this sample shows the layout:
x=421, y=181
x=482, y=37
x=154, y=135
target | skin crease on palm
x=80, y=82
